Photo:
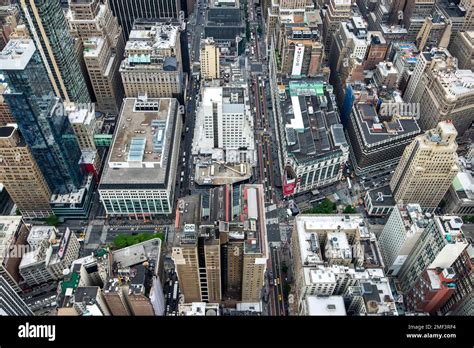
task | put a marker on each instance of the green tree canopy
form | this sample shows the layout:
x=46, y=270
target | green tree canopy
x=52, y=220
x=349, y=210
x=125, y=240
x=325, y=207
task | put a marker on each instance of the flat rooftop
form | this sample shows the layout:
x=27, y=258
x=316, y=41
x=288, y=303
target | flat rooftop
x=138, y=253
x=253, y=216
x=377, y=129
x=80, y=113
x=326, y=306
x=39, y=233
x=313, y=127
x=221, y=174
x=161, y=36
x=382, y=197
x=9, y=225
x=17, y=54
x=142, y=144
x=308, y=226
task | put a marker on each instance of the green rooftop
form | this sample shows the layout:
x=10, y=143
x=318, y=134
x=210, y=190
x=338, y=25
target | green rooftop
x=306, y=88
x=73, y=282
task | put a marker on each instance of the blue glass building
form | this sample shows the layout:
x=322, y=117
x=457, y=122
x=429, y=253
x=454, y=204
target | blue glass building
x=40, y=116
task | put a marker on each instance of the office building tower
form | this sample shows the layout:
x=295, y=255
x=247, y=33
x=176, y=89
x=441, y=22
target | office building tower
x=301, y=51
x=432, y=290
x=310, y=156
x=224, y=22
x=128, y=11
x=21, y=176
x=400, y=234
x=443, y=91
x=439, y=245
x=224, y=122
x=197, y=255
x=222, y=253
x=210, y=56
x=435, y=32
x=460, y=15
x=13, y=234
x=376, y=51
x=83, y=121
x=134, y=286
x=427, y=168
x=115, y=297
x=152, y=63
x=378, y=139
x=347, y=52
x=48, y=28
x=462, y=48
x=316, y=273
x=40, y=116
x=89, y=300
x=64, y=251
x=5, y=114
x=461, y=301
x=11, y=304
x=9, y=18
x=285, y=9
x=255, y=246
x=139, y=178
x=460, y=196
x=34, y=264
x=404, y=56
x=337, y=11
x=103, y=43
x=414, y=15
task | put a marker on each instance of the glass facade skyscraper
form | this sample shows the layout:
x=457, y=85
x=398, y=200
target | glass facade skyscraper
x=48, y=28
x=40, y=116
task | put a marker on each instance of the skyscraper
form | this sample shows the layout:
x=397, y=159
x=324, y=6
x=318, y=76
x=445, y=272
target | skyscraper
x=337, y=11
x=21, y=175
x=439, y=245
x=10, y=302
x=102, y=39
x=127, y=11
x=48, y=28
x=153, y=63
x=427, y=167
x=209, y=60
x=443, y=91
x=40, y=116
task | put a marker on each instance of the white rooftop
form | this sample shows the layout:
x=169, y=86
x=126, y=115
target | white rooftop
x=312, y=224
x=39, y=233
x=80, y=114
x=199, y=309
x=159, y=37
x=337, y=246
x=17, y=54
x=326, y=306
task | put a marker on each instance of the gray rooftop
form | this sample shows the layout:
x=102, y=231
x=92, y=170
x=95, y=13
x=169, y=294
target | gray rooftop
x=382, y=197
x=312, y=121
x=377, y=129
x=142, y=144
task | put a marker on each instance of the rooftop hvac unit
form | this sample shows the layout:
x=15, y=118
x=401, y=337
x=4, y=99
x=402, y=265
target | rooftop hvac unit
x=211, y=313
x=379, y=197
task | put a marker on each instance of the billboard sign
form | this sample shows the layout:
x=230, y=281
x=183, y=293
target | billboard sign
x=298, y=60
